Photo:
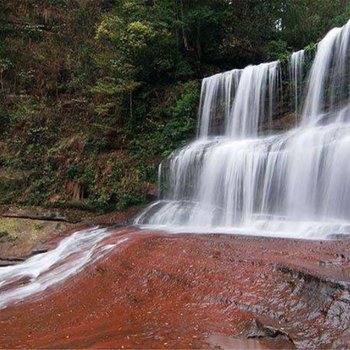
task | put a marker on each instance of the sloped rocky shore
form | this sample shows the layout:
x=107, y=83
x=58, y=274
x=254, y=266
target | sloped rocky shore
x=194, y=291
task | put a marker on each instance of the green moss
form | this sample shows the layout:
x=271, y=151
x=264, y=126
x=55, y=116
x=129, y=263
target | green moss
x=3, y=234
x=38, y=226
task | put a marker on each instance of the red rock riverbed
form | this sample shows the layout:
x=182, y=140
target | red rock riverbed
x=194, y=291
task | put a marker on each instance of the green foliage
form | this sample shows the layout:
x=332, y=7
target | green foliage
x=306, y=21
x=277, y=50
x=4, y=119
x=93, y=94
x=3, y=235
x=170, y=124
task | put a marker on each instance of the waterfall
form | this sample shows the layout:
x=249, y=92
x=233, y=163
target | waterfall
x=237, y=100
x=239, y=177
x=296, y=72
x=329, y=78
x=217, y=95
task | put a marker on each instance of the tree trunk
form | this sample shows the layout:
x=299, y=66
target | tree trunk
x=131, y=106
x=184, y=36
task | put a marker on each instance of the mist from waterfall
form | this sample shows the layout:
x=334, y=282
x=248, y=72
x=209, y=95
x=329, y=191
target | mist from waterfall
x=240, y=177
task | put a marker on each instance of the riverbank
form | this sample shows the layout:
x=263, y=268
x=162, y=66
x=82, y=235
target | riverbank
x=194, y=291
x=26, y=231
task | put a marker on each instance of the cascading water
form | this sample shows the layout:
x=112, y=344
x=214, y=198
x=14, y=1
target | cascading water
x=233, y=180
x=46, y=270
x=296, y=77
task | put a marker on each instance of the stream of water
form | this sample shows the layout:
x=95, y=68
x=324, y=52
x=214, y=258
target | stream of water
x=46, y=270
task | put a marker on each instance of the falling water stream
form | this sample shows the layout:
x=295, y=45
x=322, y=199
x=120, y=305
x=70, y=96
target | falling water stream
x=238, y=178
x=296, y=71
x=45, y=270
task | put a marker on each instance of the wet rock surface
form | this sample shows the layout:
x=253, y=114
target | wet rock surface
x=25, y=232
x=259, y=330
x=22, y=238
x=194, y=291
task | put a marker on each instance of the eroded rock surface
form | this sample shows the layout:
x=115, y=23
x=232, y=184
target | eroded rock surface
x=21, y=238
x=194, y=291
